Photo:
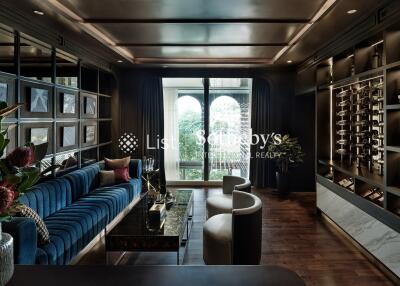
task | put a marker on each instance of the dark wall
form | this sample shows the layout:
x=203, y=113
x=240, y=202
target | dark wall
x=303, y=127
x=282, y=84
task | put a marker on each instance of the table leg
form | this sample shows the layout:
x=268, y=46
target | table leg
x=177, y=257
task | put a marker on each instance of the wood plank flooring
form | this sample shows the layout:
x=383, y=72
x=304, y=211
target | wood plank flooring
x=294, y=236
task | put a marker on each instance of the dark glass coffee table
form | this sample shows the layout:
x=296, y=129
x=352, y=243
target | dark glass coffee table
x=133, y=233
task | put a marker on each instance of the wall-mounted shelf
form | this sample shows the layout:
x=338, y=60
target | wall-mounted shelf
x=65, y=80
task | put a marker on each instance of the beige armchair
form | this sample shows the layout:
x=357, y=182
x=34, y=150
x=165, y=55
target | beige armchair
x=223, y=203
x=235, y=238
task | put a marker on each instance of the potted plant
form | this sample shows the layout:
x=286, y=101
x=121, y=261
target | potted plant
x=287, y=155
x=19, y=171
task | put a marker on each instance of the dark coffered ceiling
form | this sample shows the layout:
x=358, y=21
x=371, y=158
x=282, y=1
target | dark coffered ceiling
x=250, y=32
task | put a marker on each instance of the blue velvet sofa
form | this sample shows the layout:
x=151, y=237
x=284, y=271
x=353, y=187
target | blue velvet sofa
x=75, y=210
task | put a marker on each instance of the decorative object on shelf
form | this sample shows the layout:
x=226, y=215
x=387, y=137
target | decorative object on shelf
x=38, y=135
x=89, y=105
x=68, y=136
x=128, y=143
x=17, y=174
x=90, y=133
x=289, y=155
x=3, y=91
x=39, y=100
x=68, y=103
x=360, y=123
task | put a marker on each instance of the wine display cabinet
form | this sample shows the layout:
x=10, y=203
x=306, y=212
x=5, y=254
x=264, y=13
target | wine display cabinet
x=358, y=142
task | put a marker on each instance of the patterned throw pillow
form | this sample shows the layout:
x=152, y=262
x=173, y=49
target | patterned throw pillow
x=43, y=233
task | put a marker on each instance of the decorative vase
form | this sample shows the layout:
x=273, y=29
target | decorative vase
x=6, y=257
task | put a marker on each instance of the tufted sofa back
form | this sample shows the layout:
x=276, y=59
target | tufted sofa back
x=83, y=180
x=48, y=197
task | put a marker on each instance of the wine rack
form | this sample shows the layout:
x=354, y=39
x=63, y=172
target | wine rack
x=360, y=124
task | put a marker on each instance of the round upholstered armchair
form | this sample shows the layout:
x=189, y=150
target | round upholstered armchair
x=235, y=238
x=223, y=203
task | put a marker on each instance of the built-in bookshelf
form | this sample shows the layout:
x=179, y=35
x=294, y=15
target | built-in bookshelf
x=67, y=102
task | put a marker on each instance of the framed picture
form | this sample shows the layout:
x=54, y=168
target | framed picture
x=39, y=135
x=89, y=104
x=68, y=136
x=90, y=133
x=3, y=91
x=68, y=103
x=39, y=100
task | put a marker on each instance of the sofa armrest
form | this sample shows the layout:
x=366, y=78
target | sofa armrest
x=23, y=231
x=135, y=169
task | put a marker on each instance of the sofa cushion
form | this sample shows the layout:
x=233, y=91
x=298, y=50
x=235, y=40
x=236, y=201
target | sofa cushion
x=83, y=180
x=116, y=199
x=48, y=197
x=133, y=187
x=71, y=230
x=217, y=240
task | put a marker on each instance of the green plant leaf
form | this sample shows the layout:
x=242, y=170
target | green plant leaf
x=40, y=151
x=13, y=179
x=30, y=176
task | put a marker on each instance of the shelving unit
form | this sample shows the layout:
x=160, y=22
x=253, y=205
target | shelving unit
x=59, y=74
x=358, y=125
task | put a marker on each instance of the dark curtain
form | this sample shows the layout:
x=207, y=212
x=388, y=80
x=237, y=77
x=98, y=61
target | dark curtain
x=152, y=110
x=261, y=169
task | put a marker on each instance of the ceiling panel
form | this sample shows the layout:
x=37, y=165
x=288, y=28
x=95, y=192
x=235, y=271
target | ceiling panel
x=239, y=33
x=205, y=52
x=324, y=31
x=221, y=9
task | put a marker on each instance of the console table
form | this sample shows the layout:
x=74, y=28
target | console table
x=154, y=275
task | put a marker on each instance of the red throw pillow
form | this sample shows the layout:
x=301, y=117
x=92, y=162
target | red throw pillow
x=121, y=174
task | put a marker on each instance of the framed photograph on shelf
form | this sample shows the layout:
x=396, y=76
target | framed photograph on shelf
x=89, y=105
x=38, y=135
x=68, y=136
x=3, y=91
x=39, y=100
x=68, y=103
x=90, y=133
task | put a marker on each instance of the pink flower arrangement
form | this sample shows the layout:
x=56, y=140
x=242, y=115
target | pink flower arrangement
x=7, y=197
x=21, y=157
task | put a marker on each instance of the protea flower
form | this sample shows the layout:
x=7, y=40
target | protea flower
x=21, y=157
x=7, y=196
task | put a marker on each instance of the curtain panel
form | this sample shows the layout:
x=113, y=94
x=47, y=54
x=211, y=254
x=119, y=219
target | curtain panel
x=152, y=109
x=262, y=171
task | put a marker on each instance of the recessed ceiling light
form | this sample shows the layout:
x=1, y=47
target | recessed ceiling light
x=37, y=12
x=289, y=61
x=165, y=66
x=120, y=61
x=353, y=11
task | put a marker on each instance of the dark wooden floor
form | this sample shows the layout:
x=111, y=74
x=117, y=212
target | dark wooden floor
x=294, y=236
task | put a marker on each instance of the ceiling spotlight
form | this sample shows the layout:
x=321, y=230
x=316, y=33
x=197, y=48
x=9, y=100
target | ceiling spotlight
x=37, y=12
x=120, y=61
x=289, y=61
x=353, y=11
